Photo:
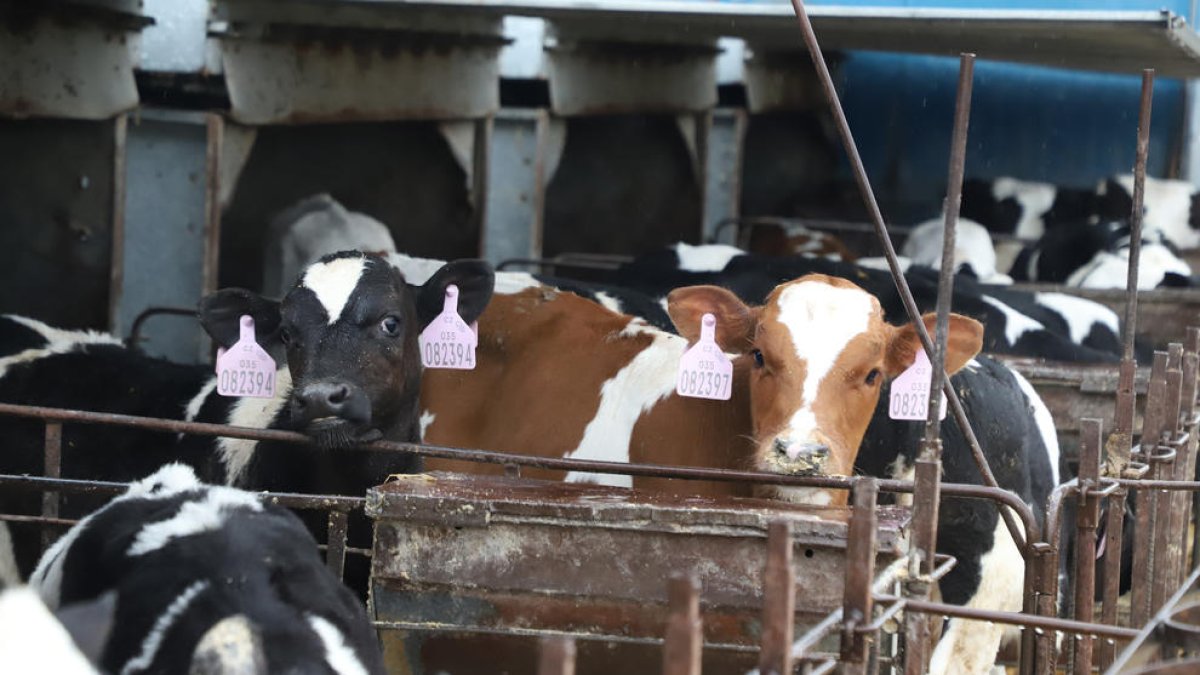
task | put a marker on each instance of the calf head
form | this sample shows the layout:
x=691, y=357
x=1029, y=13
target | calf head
x=349, y=329
x=818, y=351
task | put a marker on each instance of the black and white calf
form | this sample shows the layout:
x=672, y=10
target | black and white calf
x=1025, y=209
x=974, y=253
x=1171, y=207
x=357, y=377
x=211, y=577
x=1096, y=255
x=1018, y=438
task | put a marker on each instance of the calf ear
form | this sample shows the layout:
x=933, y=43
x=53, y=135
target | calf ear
x=220, y=314
x=735, y=320
x=475, y=280
x=964, y=341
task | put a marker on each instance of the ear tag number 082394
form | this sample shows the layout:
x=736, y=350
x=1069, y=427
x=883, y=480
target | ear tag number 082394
x=704, y=370
x=448, y=342
x=245, y=369
x=909, y=399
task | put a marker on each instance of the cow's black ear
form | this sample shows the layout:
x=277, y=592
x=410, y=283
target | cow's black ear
x=475, y=280
x=220, y=313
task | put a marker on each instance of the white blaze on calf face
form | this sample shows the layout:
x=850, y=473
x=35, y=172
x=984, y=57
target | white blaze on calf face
x=333, y=282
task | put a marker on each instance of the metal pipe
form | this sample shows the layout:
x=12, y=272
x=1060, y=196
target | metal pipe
x=1150, y=628
x=1129, y=329
x=52, y=468
x=1013, y=618
x=1087, y=515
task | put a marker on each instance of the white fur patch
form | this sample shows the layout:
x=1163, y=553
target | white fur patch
x=510, y=283
x=193, y=518
x=417, y=271
x=1035, y=199
x=33, y=641
x=169, y=480
x=799, y=495
x=1079, y=313
x=647, y=379
x=1168, y=205
x=969, y=647
x=163, y=624
x=609, y=302
x=972, y=246
x=880, y=263
x=333, y=282
x=255, y=413
x=58, y=341
x=822, y=319
x=706, y=257
x=901, y=469
x=1110, y=270
x=1043, y=419
x=339, y=655
x=427, y=419
x=1016, y=324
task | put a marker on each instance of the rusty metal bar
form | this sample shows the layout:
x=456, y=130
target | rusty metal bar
x=860, y=566
x=922, y=549
x=682, y=638
x=1038, y=648
x=958, y=153
x=1114, y=541
x=965, y=491
x=335, y=555
x=1135, y=218
x=1086, y=522
x=779, y=601
x=1145, y=503
x=889, y=252
x=1170, y=512
x=52, y=468
x=1012, y=618
x=557, y=656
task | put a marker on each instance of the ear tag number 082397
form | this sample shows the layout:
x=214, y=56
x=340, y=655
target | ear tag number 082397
x=448, y=342
x=704, y=370
x=245, y=369
x=909, y=399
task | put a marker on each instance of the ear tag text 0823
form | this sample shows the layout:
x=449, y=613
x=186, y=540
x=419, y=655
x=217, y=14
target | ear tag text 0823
x=448, y=342
x=704, y=370
x=245, y=369
x=909, y=399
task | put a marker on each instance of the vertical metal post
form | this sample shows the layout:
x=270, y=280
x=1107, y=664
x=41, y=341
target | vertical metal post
x=1139, y=196
x=480, y=149
x=1170, y=503
x=557, y=656
x=1162, y=555
x=1085, y=541
x=1114, y=540
x=335, y=551
x=52, y=466
x=683, y=640
x=1145, y=503
x=860, y=571
x=927, y=486
x=779, y=602
x=116, y=272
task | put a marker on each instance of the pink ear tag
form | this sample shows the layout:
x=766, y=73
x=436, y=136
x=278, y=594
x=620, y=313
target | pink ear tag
x=910, y=392
x=245, y=369
x=448, y=342
x=704, y=370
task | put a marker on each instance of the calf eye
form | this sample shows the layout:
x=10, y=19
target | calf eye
x=872, y=377
x=390, y=326
x=758, y=358
x=285, y=336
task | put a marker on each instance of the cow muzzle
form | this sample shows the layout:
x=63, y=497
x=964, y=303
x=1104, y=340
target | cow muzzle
x=798, y=458
x=333, y=413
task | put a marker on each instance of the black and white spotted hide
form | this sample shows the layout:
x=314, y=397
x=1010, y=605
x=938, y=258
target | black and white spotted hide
x=1018, y=438
x=1025, y=209
x=1096, y=255
x=208, y=579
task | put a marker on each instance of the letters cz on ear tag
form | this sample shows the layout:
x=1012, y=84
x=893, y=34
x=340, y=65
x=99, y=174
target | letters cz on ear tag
x=448, y=342
x=245, y=369
x=704, y=370
x=909, y=399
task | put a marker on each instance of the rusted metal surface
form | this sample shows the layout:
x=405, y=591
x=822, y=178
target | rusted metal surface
x=779, y=603
x=74, y=62
x=1088, y=515
x=683, y=640
x=335, y=555
x=52, y=468
x=1145, y=500
x=305, y=74
x=1152, y=642
x=557, y=656
x=1129, y=326
x=593, y=559
x=1114, y=531
x=857, y=608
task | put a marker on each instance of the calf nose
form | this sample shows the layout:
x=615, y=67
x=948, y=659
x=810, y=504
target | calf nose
x=812, y=452
x=331, y=399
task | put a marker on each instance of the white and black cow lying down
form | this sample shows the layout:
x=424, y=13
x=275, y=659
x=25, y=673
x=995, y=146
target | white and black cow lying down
x=208, y=580
x=1054, y=326
x=350, y=326
x=608, y=381
x=1096, y=255
x=974, y=253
